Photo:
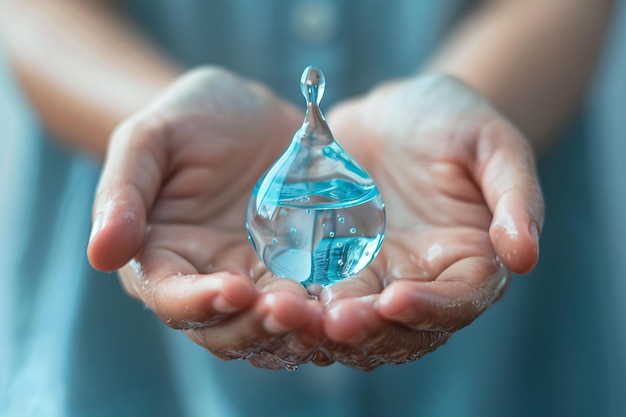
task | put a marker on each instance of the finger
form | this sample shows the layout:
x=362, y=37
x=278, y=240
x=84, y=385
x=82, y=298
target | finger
x=175, y=279
x=293, y=348
x=190, y=300
x=281, y=323
x=361, y=338
x=393, y=345
x=365, y=284
x=352, y=320
x=128, y=186
x=458, y=296
x=505, y=171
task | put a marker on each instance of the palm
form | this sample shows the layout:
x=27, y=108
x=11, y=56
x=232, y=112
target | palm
x=217, y=156
x=436, y=213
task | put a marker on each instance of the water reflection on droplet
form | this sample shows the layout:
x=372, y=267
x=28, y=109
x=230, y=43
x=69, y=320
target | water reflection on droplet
x=316, y=187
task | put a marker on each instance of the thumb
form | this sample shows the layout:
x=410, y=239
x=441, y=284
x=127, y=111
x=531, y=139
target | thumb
x=128, y=187
x=506, y=174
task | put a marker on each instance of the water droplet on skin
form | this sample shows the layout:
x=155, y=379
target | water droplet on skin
x=308, y=211
x=292, y=230
x=332, y=234
x=433, y=252
x=283, y=213
x=274, y=241
x=353, y=230
x=341, y=220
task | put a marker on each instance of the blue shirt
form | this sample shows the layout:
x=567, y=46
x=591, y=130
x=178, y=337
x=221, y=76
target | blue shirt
x=72, y=343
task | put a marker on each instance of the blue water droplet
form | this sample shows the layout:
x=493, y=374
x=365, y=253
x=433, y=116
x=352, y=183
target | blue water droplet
x=303, y=243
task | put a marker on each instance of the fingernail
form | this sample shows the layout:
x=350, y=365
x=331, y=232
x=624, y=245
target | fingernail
x=385, y=299
x=207, y=284
x=222, y=305
x=273, y=325
x=98, y=223
x=534, y=231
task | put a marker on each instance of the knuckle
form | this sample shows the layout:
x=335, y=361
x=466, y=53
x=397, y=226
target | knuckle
x=143, y=128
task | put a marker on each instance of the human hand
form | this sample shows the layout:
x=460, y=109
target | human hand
x=167, y=164
x=463, y=208
x=170, y=212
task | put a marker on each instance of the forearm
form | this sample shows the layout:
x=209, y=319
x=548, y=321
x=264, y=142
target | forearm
x=83, y=69
x=531, y=58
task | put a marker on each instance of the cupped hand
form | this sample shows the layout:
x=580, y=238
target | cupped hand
x=170, y=213
x=463, y=210
x=462, y=201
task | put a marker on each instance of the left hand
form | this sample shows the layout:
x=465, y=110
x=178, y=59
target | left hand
x=463, y=209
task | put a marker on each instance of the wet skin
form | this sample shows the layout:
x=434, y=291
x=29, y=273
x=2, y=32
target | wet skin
x=463, y=209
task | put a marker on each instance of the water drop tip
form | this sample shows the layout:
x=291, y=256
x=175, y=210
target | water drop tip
x=312, y=84
x=312, y=75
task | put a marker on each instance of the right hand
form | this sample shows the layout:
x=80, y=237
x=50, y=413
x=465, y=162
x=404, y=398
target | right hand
x=170, y=212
